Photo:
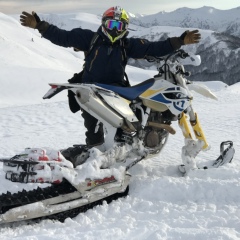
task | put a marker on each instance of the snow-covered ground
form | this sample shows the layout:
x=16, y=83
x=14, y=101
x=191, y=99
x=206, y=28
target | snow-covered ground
x=161, y=203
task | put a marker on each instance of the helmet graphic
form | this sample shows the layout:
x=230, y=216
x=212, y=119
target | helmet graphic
x=115, y=23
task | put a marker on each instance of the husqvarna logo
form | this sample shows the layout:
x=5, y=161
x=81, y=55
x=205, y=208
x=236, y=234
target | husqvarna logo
x=179, y=105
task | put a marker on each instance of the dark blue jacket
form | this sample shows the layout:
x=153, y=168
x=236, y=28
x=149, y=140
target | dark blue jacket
x=105, y=63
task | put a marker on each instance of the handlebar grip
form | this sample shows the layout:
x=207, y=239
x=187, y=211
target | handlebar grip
x=183, y=54
x=153, y=59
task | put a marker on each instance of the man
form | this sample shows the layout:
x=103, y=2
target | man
x=106, y=61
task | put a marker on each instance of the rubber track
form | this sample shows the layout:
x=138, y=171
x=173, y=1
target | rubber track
x=74, y=212
x=9, y=200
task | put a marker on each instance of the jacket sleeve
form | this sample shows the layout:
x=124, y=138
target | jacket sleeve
x=77, y=38
x=139, y=48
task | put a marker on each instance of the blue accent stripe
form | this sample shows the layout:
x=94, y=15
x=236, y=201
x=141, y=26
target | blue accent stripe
x=160, y=98
x=171, y=89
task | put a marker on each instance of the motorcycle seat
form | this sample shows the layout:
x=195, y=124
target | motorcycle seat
x=129, y=93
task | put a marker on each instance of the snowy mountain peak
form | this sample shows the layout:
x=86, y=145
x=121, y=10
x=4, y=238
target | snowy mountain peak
x=204, y=18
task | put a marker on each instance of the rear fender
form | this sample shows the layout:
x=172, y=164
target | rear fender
x=58, y=87
x=55, y=89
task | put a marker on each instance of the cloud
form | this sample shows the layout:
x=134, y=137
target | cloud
x=99, y=6
x=15, y=7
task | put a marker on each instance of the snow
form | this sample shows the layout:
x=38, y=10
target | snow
x=162, y=204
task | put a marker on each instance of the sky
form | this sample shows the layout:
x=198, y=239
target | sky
x=99, y=6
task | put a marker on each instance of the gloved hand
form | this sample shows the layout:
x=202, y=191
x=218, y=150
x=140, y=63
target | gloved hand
x=29, y=20
x=190, y=37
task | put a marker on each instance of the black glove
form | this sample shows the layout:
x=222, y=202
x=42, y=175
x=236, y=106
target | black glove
x=36, y=16
x=190, y=37
x=33, y=21
x=29, y=20
x=186, y=38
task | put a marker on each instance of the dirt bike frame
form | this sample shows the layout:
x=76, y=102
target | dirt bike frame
x=168, y=90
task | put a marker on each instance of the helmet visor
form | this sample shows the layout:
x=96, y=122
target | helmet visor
x=110, y=24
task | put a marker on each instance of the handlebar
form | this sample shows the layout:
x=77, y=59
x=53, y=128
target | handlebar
x=178, y=53
x=182, y=54
x=154, y=59
x=173, y=63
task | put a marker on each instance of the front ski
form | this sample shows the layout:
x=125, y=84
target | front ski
x=226, y=155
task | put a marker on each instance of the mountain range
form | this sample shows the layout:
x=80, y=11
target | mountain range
x=209, y=18
x=220, y=45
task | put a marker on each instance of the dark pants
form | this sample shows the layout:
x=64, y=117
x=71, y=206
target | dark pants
x=90, y=122
x=94, y=133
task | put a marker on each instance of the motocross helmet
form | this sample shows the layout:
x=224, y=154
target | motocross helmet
x=115, y=23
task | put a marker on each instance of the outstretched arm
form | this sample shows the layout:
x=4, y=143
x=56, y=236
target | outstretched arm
x=139, y=48
x=77, y=38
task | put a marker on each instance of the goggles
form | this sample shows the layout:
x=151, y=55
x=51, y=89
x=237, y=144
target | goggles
x=110, y=24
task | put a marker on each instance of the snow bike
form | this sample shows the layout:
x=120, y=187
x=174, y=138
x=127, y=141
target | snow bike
x=137, y=123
